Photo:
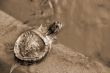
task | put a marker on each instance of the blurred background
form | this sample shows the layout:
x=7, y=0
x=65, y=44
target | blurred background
x=86, y=22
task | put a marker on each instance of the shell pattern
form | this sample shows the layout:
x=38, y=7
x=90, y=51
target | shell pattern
x=30, y=47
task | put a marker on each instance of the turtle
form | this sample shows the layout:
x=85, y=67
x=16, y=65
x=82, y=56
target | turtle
x=33, y=45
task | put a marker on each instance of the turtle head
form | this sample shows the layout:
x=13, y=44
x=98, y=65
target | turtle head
x=54, y=28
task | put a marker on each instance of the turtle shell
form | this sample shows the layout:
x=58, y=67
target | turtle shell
x=30, y=47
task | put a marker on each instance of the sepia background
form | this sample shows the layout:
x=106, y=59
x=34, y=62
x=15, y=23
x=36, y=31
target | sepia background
x=86, y=22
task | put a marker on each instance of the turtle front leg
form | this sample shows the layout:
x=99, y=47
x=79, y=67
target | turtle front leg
x=50, y=46
x=9, y=47
x=53, y=39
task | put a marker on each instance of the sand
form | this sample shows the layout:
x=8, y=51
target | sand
x=86, y=23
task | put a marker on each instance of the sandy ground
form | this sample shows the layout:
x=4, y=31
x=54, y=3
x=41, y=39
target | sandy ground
x=60, y=59
x=86, y=23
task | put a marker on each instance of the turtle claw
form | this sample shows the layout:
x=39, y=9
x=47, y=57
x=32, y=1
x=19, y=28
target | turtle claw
x=11, y=50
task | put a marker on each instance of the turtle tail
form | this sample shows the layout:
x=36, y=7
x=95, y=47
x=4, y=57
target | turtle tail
x=13, y=67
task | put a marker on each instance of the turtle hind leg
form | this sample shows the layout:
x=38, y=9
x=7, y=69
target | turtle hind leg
x=13, y=67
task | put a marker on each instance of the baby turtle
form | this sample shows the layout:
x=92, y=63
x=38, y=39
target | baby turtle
x=33, y=45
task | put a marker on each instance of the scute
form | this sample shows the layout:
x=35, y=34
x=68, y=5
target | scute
x=30, y=46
